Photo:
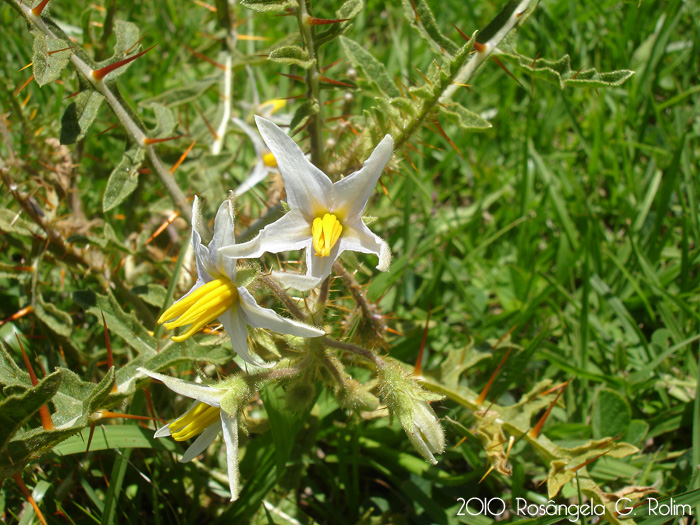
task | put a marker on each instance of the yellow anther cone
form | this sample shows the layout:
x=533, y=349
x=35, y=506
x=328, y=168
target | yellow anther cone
x=325, y=232
x=194, y=422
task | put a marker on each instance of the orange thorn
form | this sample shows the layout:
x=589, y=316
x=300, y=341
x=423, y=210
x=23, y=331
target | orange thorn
x=24, y=311
x=108, y=129
x=106, y=414
x=19, y=89
x=324, y=68
x=577, y=467
x=334, y=82
x=448, y=139
x=205, y=58
x=72, y=95
x=149, y=141
x=182, y=157
x=313, y=21
x=87, y=448
x=556, y=387
x=206, y=6
x=99, y=74
x=17, y=476
x=36, y=11
x=485, y=390
x=252, y=37
x=504, y=68
x=26, y=100
x=136, y=43
x=208, y=124
x=44, y=413
x=487, y=473
x=34, y=112
x=294, y=77
x=149, y=403
x=459, y=443
x=405, y=155
x=462, y=33
x=479, y=47
x=419, y=361
x=421, y=74
x=538, y=427
x=162, y=227
x=59, y=50
x=28, y=65
x=463, y=85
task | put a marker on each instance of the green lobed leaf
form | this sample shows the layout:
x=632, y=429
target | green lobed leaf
x=373, y=70
x=560, y=72
x=465, y=119
x=16, y=409
x=153, y=294
x=611, y=414
x=422, y=18
x=50, y=57
x=55, y=319
x=268, y=6
x=165, y=121
x=127, y=35
x=124, y=179
x=79, y=116
x=291, y=56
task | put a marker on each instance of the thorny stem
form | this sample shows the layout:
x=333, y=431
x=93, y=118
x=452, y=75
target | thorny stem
x=282, y=296
x=313, y=81
x=369, y=311
x=122, y=114
x=358, y=350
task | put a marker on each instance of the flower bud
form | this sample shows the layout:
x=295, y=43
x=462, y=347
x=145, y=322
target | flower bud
x=354, y=396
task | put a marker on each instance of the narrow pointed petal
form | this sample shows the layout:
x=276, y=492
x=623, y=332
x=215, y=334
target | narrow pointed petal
x=256, y=315
x=256, y=176
x=309, y=190
x=291, y=232
x=353, y=192
x=357, y=237
x=320, y=267
x=201, y=253
x=205, y=394
x=223, y=236
x=202, y=442
x=229, y=426
x=253, y=135
x=235, y=326
x=162, y=432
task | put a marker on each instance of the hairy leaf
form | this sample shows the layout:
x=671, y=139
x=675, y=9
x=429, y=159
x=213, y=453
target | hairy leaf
x=79, y=116
x=124, y=178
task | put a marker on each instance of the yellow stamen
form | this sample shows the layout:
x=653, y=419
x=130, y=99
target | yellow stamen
x=269, y=160
x=325, y=233
x=194, y=422
x=275, y=104
x=200, y=308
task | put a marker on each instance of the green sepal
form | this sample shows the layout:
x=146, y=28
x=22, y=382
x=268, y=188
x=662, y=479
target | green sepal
x=124, y=178
x=291, y=56
x=245, y=276
x=79, y=116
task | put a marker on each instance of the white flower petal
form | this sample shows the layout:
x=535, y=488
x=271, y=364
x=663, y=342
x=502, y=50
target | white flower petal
x=297, y=281
x=257, y=175
x=201, y=253
x=202, y=442
x=256, y=315
x=253, y=135
x=223, y=236
x=353, y=192
x=320, y=267
x=291, y=232
x=162, y=431
x=205, y=394
x=309, y=190
x=234, y=324
x=357, y=237
x=229, y=426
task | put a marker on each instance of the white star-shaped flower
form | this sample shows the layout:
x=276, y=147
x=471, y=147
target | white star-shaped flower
x=324, y=217
x=217, y=294
x=265, y=161
x=206, y=419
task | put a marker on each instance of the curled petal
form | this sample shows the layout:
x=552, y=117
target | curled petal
x=235, y=326
x=229, y=425
x=223, y=236
x=205, y=394
x=290, y=232
x=256, y=315
x=202, y=442
x=357, y=237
